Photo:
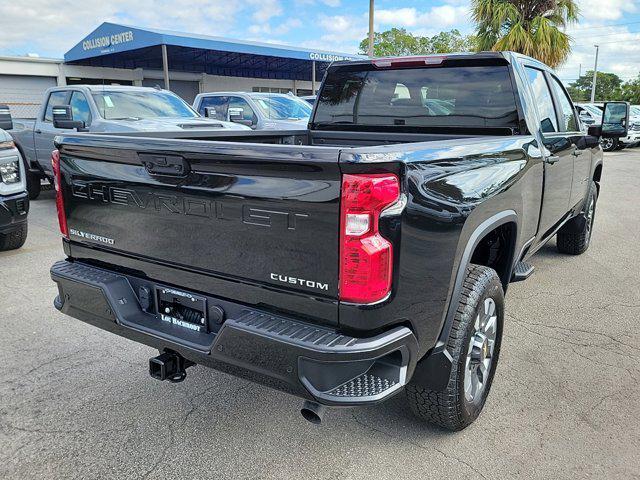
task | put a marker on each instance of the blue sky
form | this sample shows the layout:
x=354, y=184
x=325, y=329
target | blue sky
x=49, y=28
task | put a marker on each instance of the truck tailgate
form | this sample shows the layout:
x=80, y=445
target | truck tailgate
x=263, y=214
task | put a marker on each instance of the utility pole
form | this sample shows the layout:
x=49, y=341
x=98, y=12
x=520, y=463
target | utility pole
x=370, y=49
x=595, y=76
x=580, y=71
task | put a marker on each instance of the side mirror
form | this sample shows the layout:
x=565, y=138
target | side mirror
x=594, y=130
x=6, y=122
x=615, y=119
x=210, y=112
x=63, y=118
x=236, y=115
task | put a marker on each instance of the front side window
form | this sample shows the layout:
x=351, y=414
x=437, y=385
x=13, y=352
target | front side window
x=240, y=108
x=568, y=121
x=136, y=105
x=543, y=99
x=80, y=107
x=56, y=99
x=283, y=107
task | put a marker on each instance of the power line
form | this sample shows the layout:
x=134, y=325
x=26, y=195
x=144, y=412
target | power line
x=615, y=25
x=606, y=35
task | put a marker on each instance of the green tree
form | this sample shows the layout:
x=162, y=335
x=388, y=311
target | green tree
x=631, y=91
x=531, y=27
x=399, y=42
x=608, y=87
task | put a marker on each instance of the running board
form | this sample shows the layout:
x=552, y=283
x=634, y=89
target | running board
x=522, y=271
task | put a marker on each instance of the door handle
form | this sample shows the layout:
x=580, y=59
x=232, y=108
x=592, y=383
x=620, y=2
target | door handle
x=577, y=153
x=551, y=159
x=37, y=131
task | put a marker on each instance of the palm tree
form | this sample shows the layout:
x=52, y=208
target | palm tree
x=531, y=27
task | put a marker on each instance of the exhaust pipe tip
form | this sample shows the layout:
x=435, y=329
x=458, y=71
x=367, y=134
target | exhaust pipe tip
x=313, y=412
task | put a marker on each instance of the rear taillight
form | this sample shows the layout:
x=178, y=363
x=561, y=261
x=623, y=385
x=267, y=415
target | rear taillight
x=366, y=257
x=57, y=181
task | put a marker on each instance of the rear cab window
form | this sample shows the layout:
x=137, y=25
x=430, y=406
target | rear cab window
x=460, y=96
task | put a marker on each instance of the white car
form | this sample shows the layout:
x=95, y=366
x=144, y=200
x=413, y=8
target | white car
x=14, y=201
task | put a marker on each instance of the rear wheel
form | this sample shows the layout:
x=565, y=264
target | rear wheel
x=609, y=144
x=474, y=345
x=575, y=236
x=14, y=239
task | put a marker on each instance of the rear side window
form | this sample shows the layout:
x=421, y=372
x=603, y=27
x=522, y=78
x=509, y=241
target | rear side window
x=543, y=99
x=219, y=103
x=475, y=96
x=56, y=99
x=568, y=121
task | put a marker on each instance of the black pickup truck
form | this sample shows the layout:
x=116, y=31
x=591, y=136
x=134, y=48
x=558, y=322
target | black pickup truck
x=364, y=256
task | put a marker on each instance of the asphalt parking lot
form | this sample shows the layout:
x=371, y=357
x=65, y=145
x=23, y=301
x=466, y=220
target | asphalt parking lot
x=76, y=402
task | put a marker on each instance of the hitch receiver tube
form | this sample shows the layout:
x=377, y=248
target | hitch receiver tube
x=169, y=366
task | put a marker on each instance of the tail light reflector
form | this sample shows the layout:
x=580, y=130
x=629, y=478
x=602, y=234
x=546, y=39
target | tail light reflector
x=366, y=257
x=57, y=181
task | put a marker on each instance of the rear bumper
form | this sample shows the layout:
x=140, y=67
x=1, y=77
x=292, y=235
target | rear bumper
x=310, y=361
x=13, y=211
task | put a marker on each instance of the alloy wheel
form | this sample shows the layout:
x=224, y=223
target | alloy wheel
x=481, y=351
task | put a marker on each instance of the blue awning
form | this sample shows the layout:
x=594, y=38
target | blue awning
x=122, y=46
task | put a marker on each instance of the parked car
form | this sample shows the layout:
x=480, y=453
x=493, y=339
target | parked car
x=101, y=109
x=260, y=111
x=343, y=263
x=591, y=114
x=14, y=201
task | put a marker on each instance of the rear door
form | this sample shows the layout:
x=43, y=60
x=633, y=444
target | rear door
x=257, y=213
x=558, y=168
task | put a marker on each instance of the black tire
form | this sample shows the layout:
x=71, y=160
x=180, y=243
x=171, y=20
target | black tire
x=451, y=408
x=14, y=239
x=33, y=186
x=574, y=237
x=609, y=144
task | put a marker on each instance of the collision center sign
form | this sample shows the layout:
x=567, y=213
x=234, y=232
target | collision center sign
x=107, y=41
x=328, y=57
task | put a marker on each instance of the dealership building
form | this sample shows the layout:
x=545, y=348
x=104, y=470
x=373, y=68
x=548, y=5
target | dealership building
x=185, y=63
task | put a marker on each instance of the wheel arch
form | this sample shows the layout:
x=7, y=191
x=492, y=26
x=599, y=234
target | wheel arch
x=437, y=363
x=597, y=175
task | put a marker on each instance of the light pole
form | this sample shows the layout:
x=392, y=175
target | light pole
x=595, y=76
x=370, y=49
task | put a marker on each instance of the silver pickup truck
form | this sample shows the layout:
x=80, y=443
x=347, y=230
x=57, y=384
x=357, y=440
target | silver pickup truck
x=103, y=109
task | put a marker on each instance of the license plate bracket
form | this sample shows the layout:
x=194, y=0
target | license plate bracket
x=183, y=309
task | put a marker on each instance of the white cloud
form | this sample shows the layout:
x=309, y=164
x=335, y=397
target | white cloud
x=265, y=9
x=280, y=29
x=603, y=10
x=435, y=19
x=52, y=28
